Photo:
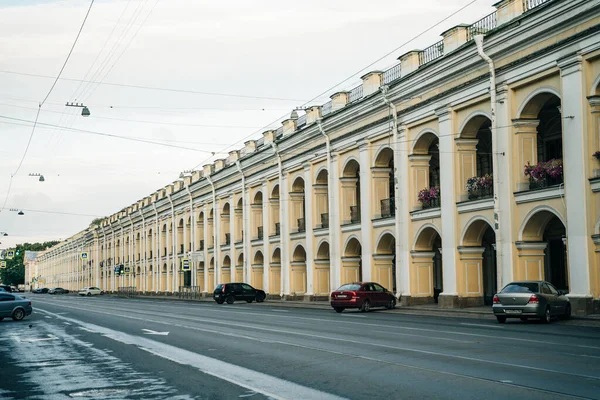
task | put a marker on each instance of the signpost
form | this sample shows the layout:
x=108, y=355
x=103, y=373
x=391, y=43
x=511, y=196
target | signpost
x=185, y=264
x=84, y=256
x=2, y=264
x=10, y=254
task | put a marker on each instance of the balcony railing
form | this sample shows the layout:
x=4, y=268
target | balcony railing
x=392, y=74
x=277, y=228
x=325, y=220
x=529, y=4
x=431, y=53
x=181, y=249
x=301, y=225
x=165, y=252
x=483, y=26
x=260, y=232
x=201, y=247
x=356, y=93
x=327, y=108
x=227, y=239
x=388, y=208
x=544, y=183
x=354, y=214
x=435, y=203
x=482, y=193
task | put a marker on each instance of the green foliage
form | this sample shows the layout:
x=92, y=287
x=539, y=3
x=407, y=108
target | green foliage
x=97, y=221
x=14, y=273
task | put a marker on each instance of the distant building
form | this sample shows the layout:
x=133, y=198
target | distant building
x=31, y=269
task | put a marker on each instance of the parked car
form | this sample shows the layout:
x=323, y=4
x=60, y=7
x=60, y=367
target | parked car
x=6, y=288
x=14, y=306
x=58, y=290
x=230, y=292
x=531, y=299
x=40, y=290
x=2, y=290
x=90, y=291
x=362, y=295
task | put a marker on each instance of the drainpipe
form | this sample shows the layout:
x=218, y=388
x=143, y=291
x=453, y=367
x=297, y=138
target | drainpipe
x=398, y=219
x=144, y=248
x=333, y=248
x=495, y=158
x=282, y=251
x=217, y=272
x=174, y=254
x=192, y=237
x=244, y=225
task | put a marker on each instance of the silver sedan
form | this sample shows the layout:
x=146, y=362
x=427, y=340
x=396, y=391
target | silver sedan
x=531, y=299
x=14, y=306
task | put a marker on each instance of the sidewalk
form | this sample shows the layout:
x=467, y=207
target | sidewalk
x=483, y=312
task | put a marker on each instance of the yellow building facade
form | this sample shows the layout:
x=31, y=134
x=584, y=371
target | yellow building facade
x=465, y=166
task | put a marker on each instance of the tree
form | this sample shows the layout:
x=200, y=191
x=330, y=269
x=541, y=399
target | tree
x=14, y=273
x=97, y=221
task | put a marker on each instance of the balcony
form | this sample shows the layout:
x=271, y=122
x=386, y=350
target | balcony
x=227, y=239
x=354, y=214
x=181, y=249
x=277, y=229
x=388, y=208
x=301, y=225
x=325, y=220
x=201, y=247
x=545, y=182
x=260, y=232
x=433, y=203
x=165, y=252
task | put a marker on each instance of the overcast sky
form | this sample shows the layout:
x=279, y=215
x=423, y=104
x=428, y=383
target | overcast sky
x=283, y=52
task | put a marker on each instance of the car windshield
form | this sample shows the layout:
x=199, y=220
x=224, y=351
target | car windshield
x=521, y=287
x=350, y=286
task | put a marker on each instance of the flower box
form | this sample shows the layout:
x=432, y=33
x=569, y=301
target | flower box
x=480, y=187
x=429, y=197
x=544, y=174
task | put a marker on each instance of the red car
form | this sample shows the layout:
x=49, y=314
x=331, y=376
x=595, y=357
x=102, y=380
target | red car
x=362, y=295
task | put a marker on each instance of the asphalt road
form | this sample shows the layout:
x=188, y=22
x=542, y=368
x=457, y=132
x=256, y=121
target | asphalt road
x=112, y=348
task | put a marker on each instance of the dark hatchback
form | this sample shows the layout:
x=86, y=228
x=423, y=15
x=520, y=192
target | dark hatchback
x=230, y=292
x=40, y=290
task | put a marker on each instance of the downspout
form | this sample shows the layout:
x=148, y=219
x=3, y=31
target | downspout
x=245, y=227
x=398, y=219
x=144, y=247
x=174, y=254
x=331, y=208
x=217, y=272
x=192, y=237
x=157, y=269
x=282, y=251
x=495, y=158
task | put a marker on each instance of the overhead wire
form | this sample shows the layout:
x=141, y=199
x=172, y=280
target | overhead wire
x=42, y=103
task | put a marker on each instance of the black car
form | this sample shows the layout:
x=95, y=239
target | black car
x=231, y=292
x=40, y=290
x=58, y=290
x=7, y=288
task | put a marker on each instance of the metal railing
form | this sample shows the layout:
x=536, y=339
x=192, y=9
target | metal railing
x=260, y=232
x=325, y=220
x=189, y=292
x=127, y=291
x=529, y=4
x=431, y=53
x=356, y=93
x=301, y=121
x=435, y=203
x=301, y=225
x=277, y=228
x=227, y=239
x=388, y=208
x=201, y=247
x=354, y=214
x=483, y=26
x=392, y=74
x=327, y=108
x=181, y=249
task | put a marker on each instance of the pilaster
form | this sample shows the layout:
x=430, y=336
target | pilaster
x=309, y=226
x=365, y=210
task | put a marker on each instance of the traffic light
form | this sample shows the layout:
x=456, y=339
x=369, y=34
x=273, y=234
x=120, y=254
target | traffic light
x=18, y=252
x=121, y=269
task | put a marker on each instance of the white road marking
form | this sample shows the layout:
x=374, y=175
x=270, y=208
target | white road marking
x=31, y=340
x=427, y=337
x=358, y=342
x=150, y=332
x=275, y=310
x=87, y=330
x=66, y=323
x=252, y=380
x=482, y=325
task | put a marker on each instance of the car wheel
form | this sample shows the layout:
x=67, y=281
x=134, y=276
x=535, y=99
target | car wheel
x=391, y=304
x=230, y=299
x=89, y=293
x=219, y=301
x=567, y=313
x=338, y=309
x=249, y=301
x=547, y=316
x=18, y=314
x=1, y=318
x=259, y=298
x=366, y=306
x=501, y=319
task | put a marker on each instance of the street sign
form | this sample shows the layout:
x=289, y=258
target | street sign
x=127, y=270
x=185, y=264
x=84, y=256
x=10, y=254
x=2, y=264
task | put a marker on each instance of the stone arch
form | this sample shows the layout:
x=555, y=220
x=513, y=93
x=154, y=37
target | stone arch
x=534, y=224
x=424, y=140
x=352, y=247
x=226, y=208
x=258, y=197
x=323, y=250
x=384, y=261
x=200, y=219
x=164, y=268
x=425, y=237
x=259, y=259
x=181, y=223
x=352, y=260
x=276, y=256
x=384, y=156
x=275, y=192
x=471, y=124
x=351, y=168
x=240, y=203
x=386, y=243
x=240, y=260
x=595, y=89
x=474, y=230
x=597, y=227
x=535, y=101
x=298, y=185
x=137, y=270
x=299, y=254
x=322, y=176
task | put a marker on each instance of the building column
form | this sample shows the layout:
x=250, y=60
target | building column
x=266, y=234
x=366, y=212
x=206, y=244
x=232, y=237
x=449, y=297
x=402, y=203
x=309, y=226
x=284, y=193
x=577, y=190
x=334, y=225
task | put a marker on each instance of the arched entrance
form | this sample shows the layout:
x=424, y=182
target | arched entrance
x=275, y=272
x=322, y=270
x=163, y=278
x=321, y=191
x=352, y=261
x=475, y=158
x=239, y=268
x=478, y=256
x=226, y=270
x=257, y=270
x=298, y=276
x=384, y=262
x=425, y=169
x=427, y=263
x=350, y=182
x=544, y=238
x=297, y=205
x=383, y=183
